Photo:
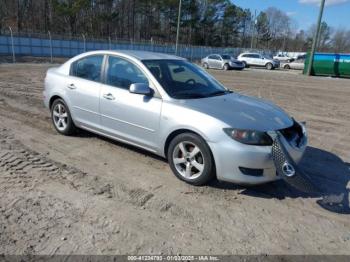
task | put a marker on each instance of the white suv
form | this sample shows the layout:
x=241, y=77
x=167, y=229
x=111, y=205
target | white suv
x=255, y=59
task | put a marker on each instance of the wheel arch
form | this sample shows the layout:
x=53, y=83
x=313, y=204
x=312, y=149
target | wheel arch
x=177, y=132
x=53, y=98
x=56, y=96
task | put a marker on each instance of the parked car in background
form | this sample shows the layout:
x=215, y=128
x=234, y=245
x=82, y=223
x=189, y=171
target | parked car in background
x=301, y=57
x=297, y=64
x=224, y=62
x=255, y=59
x=283, y=58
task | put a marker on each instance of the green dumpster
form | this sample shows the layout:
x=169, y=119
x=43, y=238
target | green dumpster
x=329, y=65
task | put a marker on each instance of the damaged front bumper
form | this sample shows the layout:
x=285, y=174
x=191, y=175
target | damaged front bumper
x=252, y=165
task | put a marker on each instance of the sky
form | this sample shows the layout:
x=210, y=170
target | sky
x=305, y=12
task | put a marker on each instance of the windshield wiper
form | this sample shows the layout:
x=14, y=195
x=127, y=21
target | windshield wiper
x=221, y=92
x=187, y=96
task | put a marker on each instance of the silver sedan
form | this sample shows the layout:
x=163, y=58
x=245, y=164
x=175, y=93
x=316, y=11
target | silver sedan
x=173, y=108
x=298, y=64
x=224, y=62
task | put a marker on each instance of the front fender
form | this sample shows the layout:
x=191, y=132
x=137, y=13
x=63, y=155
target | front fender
x=174, y=118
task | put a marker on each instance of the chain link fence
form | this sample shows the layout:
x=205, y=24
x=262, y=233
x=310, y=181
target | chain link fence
x=53, y=46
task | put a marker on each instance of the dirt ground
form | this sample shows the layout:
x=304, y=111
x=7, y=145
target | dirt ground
x=90, y=195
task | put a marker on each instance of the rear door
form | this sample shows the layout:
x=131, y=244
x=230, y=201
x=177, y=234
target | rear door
x=298, y=64
x=248, y=58
x=83, y=90
x=218, y=61
x=128, y=116
x=258, y=60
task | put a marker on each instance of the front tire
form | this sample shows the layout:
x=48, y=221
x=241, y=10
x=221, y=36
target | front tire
x=61, y=118
x=206, y=66
x=287, y=67
x=226, y=67
x=190, y=159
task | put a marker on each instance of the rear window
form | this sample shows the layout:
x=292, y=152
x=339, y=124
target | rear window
x=88, y=68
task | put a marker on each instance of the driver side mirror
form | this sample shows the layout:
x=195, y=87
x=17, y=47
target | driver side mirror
x=140, y=88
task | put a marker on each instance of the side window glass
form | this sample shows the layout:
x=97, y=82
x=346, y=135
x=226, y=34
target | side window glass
x=217, y=57
x=122, y=73
x=88, y=68
x=211, y=57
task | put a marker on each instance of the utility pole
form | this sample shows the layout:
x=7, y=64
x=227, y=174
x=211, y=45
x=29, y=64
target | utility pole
x=51, y=54
x=178, y=27
x=13, y=47
x=253, y=31
x=315, y=40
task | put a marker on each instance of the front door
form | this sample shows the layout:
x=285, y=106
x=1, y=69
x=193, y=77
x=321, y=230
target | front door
x=128, y=116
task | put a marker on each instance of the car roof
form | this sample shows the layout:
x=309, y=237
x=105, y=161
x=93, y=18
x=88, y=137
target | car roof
x=139, y=55
x=249, y=53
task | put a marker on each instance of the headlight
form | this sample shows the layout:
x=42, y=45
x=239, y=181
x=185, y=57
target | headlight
x=249, y=137
x=303, y=128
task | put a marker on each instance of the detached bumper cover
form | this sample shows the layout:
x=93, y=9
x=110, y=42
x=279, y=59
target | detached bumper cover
x=288, y=170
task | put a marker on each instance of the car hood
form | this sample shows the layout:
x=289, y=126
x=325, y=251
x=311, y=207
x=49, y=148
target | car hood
x=242, y=112
x=231, y=60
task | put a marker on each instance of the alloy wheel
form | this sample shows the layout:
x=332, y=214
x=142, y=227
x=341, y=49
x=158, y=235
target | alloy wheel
x=188, y=160
x=60, y=116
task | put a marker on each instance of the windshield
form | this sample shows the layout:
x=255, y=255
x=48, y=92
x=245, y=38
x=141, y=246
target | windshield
x=184, y=80
x=226, y=57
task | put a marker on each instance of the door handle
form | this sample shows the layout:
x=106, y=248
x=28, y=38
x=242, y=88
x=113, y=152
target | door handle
x=72, y=86
x=109, y=96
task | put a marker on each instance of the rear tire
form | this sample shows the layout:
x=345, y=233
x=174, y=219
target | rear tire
x=61, y=118
x=269, y=66
x=190, y=159
x=286, y=67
